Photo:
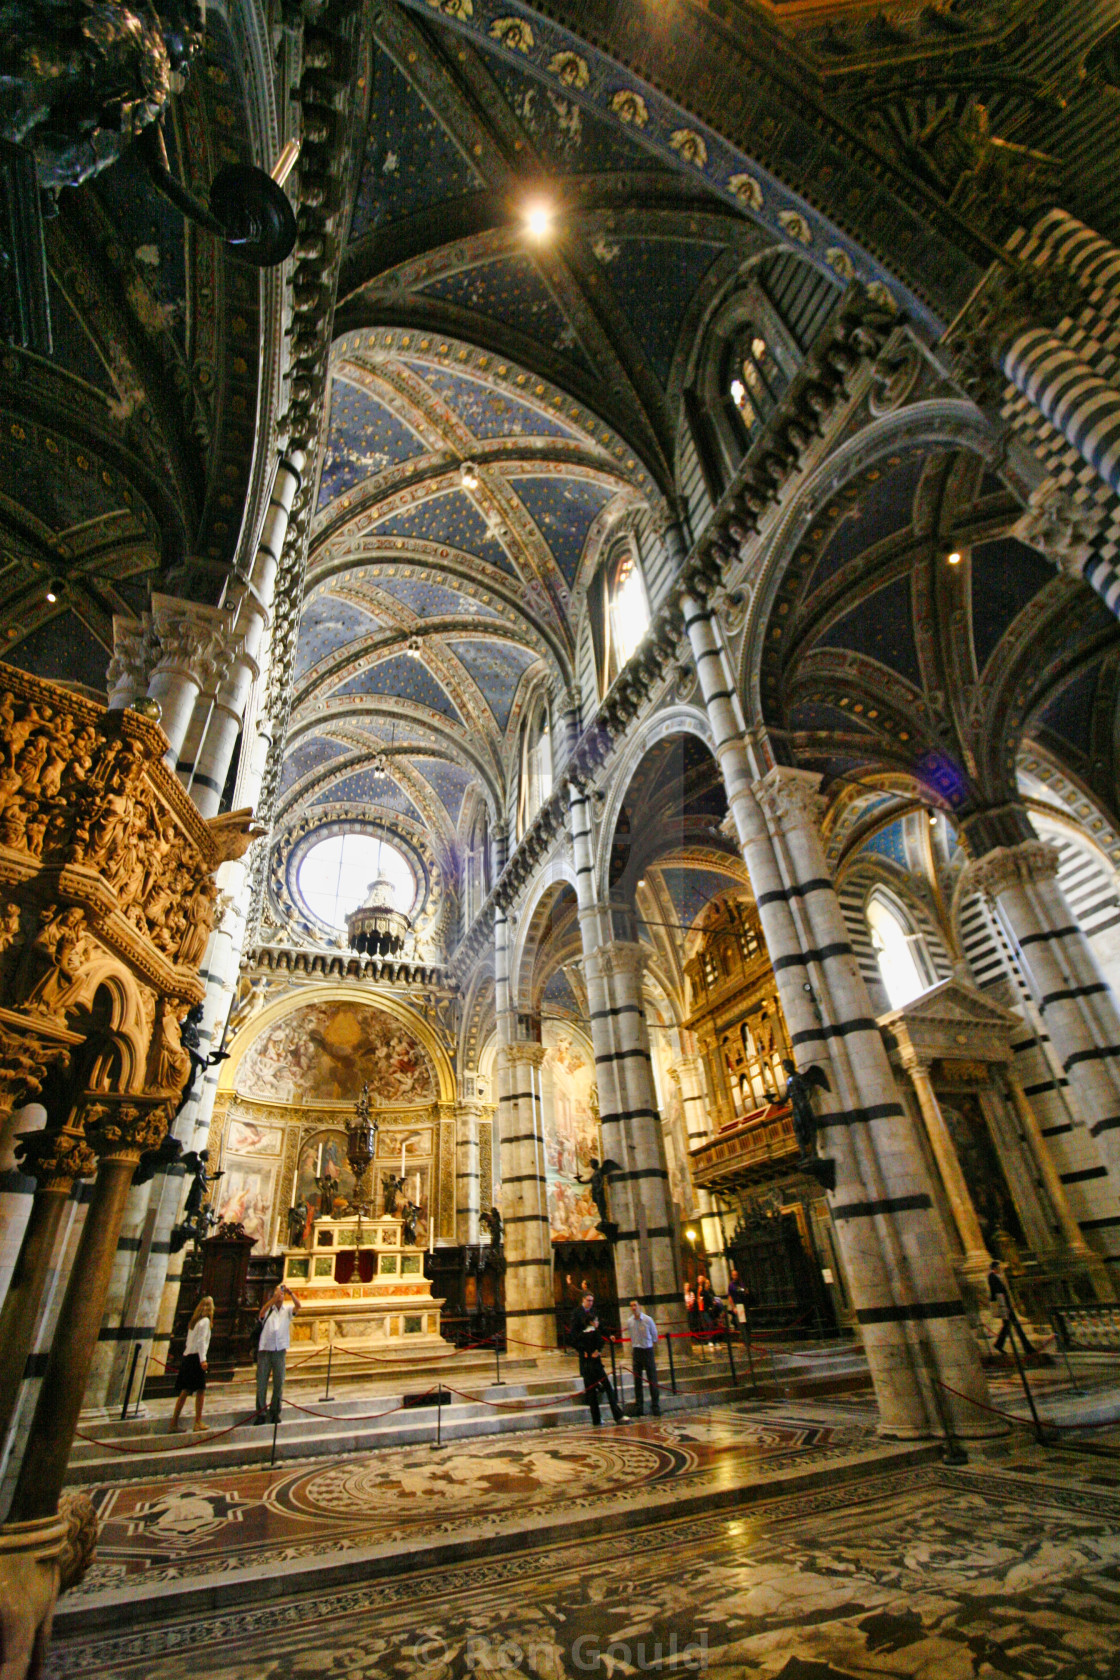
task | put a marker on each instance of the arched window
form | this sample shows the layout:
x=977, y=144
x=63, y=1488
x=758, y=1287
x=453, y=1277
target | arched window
x=898, y=950
x=750, y=350
x=478, y=863
x=535, y=783
x=627, y=610
x=754, y=380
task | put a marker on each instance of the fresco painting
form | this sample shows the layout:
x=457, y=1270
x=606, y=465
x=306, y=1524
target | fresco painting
x=571, y=1137
x=244, y=1197
x=325, y=1052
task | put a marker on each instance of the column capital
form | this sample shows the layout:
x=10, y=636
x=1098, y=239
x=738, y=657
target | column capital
x=521, y=1053
x=193, y=640
x=1014, y=866
x=914, y=1061
x=469, y=1110
x=789, y=797
x=122, y=1128
x=1008, y=301
x=1052, y=523
x=619, y=956
x=134, y=653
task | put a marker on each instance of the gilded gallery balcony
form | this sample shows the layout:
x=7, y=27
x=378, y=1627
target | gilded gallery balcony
x=759, y=1146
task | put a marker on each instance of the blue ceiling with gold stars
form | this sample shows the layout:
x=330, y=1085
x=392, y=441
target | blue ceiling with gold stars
x=427, y=599
x=488, y=413
x=365, y=438
x=328, y=624
x=496, y=668
x=410, y=162
x=563, y=509
x=449, y=518
x=399, y=677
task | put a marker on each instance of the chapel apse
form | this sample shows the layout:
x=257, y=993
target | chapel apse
x=326, y=1052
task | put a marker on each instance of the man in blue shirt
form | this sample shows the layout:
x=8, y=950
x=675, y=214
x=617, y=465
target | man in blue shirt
x=642, y=1332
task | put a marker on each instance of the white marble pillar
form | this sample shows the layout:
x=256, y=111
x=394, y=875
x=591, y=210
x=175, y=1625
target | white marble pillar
x=1071, y=994
x=976, y=1259
x=921, y=1353
x=530, y=1299
x=468, y=1118
x=646, y=1256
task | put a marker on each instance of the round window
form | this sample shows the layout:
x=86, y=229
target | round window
x=336, y=874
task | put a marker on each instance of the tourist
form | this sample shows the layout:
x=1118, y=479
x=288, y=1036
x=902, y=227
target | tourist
x=596, y=1383
x=707, y=1306
x=739, y=1303
x=192, y=1367
x=998, y=1290
x=581, y=1318
x=643, y=1338
x=272, y=1353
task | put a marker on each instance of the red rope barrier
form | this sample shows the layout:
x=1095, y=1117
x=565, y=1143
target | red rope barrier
x=1026, y=1422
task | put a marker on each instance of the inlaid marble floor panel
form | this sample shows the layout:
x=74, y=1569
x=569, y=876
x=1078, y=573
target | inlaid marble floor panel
x=172, y=1528
x=927, y=1573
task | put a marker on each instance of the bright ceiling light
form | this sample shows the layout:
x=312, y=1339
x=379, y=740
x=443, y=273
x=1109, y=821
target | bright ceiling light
x=954, y=558
x=54, y=589
x=538, y=218
x=468, y=475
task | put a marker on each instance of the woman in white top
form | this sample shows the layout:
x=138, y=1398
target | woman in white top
x=192, y=1369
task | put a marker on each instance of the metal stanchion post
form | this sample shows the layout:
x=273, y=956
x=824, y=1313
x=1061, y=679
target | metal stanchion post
x=1061, y=1341
x=275, y=1427
x=439, y=1414
x=131, y=1375
x=1046, y=1437
x=330, y=1356
x=730, y=1354
x=750, y=1358
x=614, y=1371
x=143, y=1380
x=672, y=1367
x=498, y=1383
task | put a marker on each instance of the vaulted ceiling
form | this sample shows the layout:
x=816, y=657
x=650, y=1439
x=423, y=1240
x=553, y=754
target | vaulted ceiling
x=888, y=663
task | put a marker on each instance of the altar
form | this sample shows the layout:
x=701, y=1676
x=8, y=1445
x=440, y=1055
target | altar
x=362, y=1289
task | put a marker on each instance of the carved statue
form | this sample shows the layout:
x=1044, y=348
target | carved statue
x=601, y=1175
x=394, y=1193
x=196, y=1163
x=9, y=927
x=61, y=944
x=799, y=1095
x=173, y=1062
x=192, y=1044
x=493, y=1222
x=297, y=1223
x=410, y=1214
x=199, y=920
x=79, y=79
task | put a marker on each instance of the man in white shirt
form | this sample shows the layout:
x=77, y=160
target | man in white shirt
x=272, y=1352
x=642, y=1332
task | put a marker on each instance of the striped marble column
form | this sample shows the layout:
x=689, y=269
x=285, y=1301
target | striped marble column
x=530, y=1299
x=646, y=1254
x=922, y=1355
x=1078, y=403
x=468, y=1116
x=1060, y=240
x=1069, y=990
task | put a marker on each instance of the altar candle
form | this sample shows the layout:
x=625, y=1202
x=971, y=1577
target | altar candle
x=319, y=1163
x=402, y=1162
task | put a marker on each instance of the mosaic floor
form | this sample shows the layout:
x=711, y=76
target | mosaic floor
x=925, y=1574
x=172, y=1529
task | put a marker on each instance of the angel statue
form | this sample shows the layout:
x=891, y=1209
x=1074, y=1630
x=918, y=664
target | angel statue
x=799, y=1095
x=601, y=1174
